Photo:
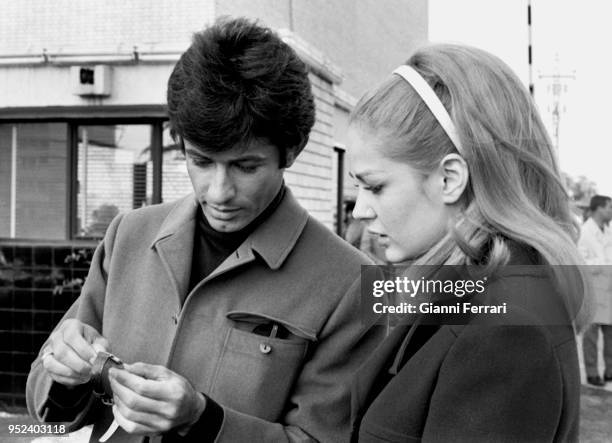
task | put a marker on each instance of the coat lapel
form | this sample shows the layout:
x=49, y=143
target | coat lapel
x=239, y=257
x=174, y=244
x=365, y=378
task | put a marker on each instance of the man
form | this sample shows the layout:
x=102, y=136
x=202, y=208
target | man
x=596, y=247
x=237, y=310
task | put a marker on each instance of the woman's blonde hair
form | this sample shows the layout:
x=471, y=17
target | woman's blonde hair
x=515, y=190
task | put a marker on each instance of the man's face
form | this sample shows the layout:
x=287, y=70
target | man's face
x=235, y=186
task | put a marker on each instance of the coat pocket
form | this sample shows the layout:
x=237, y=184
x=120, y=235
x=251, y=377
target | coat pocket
x=256, y=372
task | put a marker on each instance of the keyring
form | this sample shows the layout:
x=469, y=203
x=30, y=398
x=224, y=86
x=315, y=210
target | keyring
x=99, y=375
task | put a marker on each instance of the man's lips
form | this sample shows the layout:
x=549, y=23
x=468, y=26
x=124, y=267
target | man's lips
x=222, y=213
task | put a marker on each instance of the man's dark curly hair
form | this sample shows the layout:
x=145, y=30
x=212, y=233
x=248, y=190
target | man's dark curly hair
x=237, y=82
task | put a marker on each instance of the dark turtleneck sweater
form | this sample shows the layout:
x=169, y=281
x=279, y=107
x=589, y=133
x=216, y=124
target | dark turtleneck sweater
x=211, y=247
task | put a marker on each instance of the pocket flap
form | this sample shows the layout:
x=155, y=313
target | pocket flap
x=258, y=318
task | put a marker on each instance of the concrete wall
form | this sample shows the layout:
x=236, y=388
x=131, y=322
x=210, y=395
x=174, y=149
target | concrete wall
x=86, y=25
x=74, y=32
x=366, y=39
x=45, y=85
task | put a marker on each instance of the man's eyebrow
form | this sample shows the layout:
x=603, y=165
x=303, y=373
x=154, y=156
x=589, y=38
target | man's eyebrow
x=244, y=158
x=250, y=157
x=194, y=152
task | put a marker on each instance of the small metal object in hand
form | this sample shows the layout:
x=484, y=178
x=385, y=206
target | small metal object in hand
x=102, y=364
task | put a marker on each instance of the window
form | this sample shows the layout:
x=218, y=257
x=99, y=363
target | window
x=33, y=180
x=67, y=180
x=175, y=180
x=114, y=174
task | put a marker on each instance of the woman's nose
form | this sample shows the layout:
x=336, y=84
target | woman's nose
x=362, y=211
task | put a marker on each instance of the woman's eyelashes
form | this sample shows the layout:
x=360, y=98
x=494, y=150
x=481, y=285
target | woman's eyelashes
x=372, y=188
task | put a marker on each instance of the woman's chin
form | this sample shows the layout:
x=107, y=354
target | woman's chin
x=394, y=255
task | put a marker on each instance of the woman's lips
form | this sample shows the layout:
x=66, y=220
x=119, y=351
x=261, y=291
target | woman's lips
x=382, y=239
x=384, y=242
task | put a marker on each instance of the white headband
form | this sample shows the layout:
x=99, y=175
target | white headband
x=432, y=101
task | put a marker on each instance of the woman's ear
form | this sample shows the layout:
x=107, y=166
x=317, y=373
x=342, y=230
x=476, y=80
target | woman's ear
x=456, y=175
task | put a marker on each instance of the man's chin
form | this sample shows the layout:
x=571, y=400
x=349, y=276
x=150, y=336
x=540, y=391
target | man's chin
x=226, y=225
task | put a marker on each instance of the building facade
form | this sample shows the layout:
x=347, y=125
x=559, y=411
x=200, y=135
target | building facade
x=83, y=128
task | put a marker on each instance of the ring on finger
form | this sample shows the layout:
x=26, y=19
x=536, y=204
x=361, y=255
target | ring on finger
x=47, y=352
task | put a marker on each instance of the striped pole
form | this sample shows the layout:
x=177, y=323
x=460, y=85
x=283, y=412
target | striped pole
x=529, y=49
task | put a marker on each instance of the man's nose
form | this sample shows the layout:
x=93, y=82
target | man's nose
x=221, y=188
x=362, y=211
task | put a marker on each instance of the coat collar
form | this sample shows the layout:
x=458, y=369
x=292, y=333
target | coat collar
x=364, y=380
x=183, y=213
x=273, y=240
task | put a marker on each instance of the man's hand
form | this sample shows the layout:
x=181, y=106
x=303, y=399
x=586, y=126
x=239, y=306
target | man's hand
x=70, y=352
x=152, y=399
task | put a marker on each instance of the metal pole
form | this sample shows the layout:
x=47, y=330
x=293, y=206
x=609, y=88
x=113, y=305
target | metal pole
x=157, y=158
x=84, y=183
x=13, y=206
x=339, y=189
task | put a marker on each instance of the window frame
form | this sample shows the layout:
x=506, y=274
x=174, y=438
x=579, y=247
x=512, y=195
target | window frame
x=72, y=125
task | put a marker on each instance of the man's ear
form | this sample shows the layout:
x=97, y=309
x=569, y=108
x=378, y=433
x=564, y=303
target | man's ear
x=455, y=175
x=290, y=157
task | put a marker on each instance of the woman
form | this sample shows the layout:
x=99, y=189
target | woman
x=454, y=167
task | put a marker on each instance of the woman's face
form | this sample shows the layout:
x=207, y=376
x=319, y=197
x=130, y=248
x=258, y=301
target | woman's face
x=405, y=209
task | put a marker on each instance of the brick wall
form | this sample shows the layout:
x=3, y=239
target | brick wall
x=311, y=177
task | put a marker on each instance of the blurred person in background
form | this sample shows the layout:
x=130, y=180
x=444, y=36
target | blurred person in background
x=595, y=244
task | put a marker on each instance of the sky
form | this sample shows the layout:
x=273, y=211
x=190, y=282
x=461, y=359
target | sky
x=570, y=38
